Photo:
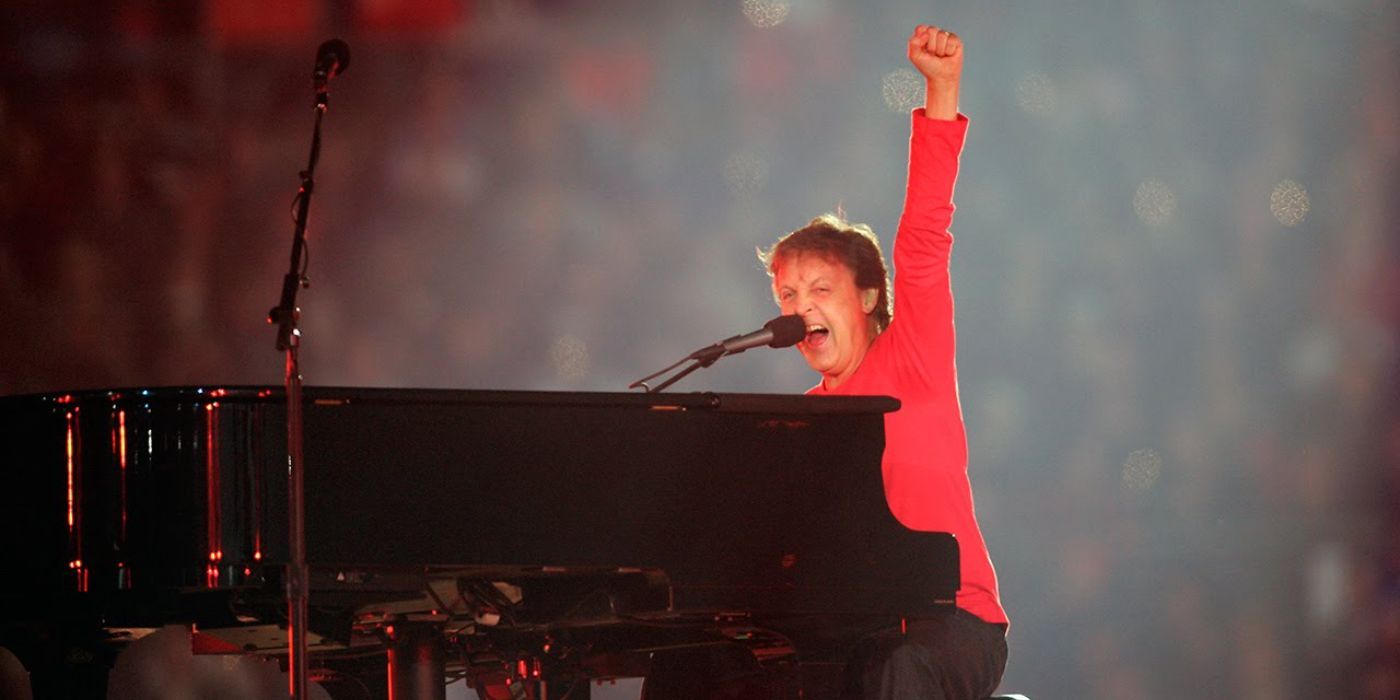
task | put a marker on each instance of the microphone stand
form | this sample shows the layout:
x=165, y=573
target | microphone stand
x=703, y=357
x=780, y=332
x=286, y=315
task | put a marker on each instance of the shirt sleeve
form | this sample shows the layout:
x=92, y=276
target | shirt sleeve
x=922, y=335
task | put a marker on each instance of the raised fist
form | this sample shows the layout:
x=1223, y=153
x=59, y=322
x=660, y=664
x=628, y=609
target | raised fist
x=937, y=54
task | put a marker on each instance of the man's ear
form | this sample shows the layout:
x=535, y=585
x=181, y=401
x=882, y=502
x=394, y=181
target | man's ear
x=868, y=297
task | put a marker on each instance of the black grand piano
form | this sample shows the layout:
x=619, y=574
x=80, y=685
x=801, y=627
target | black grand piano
x=507, y=536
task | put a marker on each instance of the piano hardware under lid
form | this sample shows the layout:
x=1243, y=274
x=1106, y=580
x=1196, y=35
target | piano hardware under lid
x=745, y=501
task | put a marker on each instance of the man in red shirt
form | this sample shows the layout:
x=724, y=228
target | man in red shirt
x=832, y=274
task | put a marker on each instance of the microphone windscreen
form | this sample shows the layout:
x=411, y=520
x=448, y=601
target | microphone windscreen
x=333, y=56
x=787, y=330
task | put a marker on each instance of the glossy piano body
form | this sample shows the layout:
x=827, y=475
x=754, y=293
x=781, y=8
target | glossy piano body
x=142, y=507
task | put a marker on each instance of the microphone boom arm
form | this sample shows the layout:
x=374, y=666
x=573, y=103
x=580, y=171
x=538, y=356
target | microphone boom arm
x=704, y=357
x=780, y=332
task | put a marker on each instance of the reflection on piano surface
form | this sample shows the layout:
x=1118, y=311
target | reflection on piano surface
x=523, y=535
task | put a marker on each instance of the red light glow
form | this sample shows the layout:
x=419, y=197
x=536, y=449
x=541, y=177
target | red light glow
x=69, y=450
x=73, y=447
x=121, y=433
x=211, y=473
x=121, y=463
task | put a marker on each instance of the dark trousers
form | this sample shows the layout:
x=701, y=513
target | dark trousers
x=950, y=657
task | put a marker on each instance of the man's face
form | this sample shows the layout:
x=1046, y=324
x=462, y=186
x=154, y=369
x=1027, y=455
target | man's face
x=839, y=326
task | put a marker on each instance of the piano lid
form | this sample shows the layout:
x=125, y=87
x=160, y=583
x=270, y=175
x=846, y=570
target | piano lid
x=736, y=402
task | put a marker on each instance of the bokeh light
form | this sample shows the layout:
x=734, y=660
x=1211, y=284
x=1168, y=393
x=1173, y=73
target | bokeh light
x=1312, y=357
x=569, y=354
x=745, y=173
x=903, y=90
x=1141, y=470
x=1154, y=202
x=1289, y=203
x=1327, y=575
x=1036, y=94
x=766, y=13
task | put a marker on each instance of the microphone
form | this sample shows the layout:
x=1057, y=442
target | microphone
x=332, y=58
x=781, y=332
x=777, y=333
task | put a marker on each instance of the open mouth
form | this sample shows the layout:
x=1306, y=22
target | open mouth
x=817, y=334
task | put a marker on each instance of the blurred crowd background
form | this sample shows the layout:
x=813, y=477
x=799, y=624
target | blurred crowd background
x=1177, y=269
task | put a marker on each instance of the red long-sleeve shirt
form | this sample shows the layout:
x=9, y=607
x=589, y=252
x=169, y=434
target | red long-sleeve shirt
x=925, y=460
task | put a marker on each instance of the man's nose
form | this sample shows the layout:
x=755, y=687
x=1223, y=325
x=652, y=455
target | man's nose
x=803, y=306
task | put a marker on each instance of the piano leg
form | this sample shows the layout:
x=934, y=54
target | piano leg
x=417, y=661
